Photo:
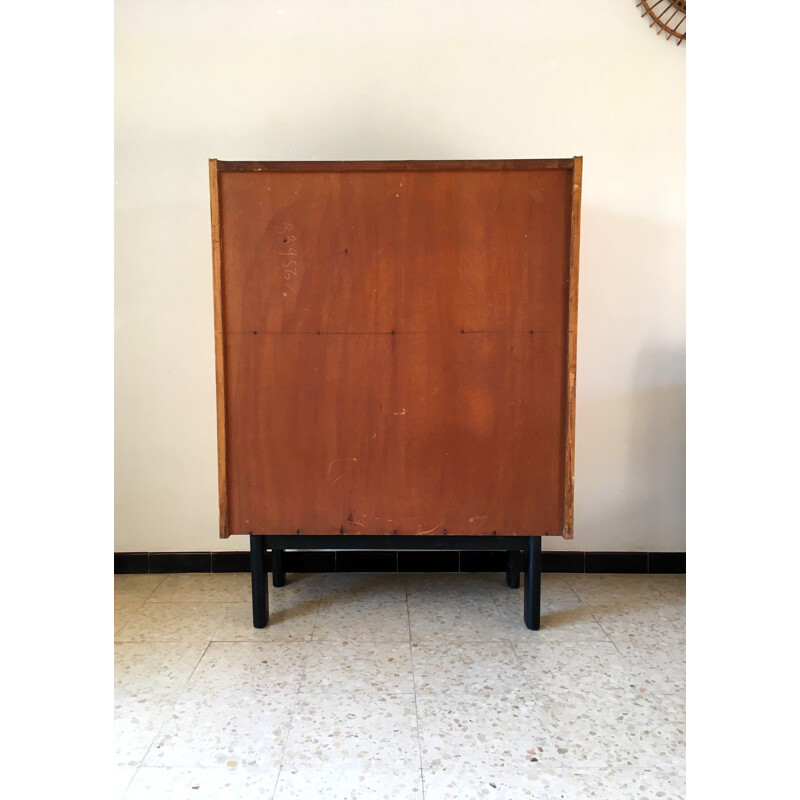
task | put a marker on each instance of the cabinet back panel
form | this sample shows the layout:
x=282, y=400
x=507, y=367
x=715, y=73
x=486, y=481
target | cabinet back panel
x=393, y=346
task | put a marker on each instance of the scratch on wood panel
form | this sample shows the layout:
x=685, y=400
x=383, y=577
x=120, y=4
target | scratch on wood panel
x=337, y=479
x=472, y=519
x=336, y=460
x=431, y=530
x=400, y=413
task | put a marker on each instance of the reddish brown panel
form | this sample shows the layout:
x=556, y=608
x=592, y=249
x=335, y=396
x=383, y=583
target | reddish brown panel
x=395, y=350
x=376, y=433
x=381, y=251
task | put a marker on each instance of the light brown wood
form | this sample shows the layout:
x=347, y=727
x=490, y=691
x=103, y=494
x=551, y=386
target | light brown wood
x=219, y=360
x=394, y=166
x=572, y=345
x=393, y=346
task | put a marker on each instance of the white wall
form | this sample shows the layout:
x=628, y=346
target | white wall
x=372, y=79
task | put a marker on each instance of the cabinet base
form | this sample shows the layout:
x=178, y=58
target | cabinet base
x=513, y=545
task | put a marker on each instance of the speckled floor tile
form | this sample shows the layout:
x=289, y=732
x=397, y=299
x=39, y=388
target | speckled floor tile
x=471, y=782
x=265, y=666
x=590, y=706
x=631, y=783
x=461, y=781
x=554, y=588
x=616, y=728
x=223, y=727
x=656, y=651
x=299, y=589
x=172, y=622
x=543, y=783
x=562, y=617
x=341, y=620
x=513, y=600
x=305, y=583
x=290, y=619
x=461, y=618
x=148, y=667
x=203, y=783
x=511, y=605
x=359, y=731
x=135, y=587
x=225, y=587
x=358, y=666
x=448, y=667
x=629, y=624
x=124, y=611
x=333, y=782
x=674, y=640
x=571, y=624
x=555, y=581
x=482, y=731
x=633, y=609
x=602, y=587
x=571, y=666
x=673, y=587
x=377, y=587
x=661, y=667
x=147, y=677
x=594, y=667
x=137, y=722
x=449, y=584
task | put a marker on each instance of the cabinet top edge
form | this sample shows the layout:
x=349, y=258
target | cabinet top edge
x=400, y=165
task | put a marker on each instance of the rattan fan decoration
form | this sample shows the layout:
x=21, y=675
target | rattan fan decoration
x=669, y=15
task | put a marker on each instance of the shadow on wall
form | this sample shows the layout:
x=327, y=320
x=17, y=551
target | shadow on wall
x=630, y=451
x=658, y=445
x=631, y=382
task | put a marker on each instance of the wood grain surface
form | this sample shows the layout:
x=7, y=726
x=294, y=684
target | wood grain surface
x=572, y=349
x=394, y=346
x=219, y=364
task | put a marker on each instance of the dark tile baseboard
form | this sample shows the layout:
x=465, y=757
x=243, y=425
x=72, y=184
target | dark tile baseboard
x=666, y=563
x=616, y=562
x=401, y=561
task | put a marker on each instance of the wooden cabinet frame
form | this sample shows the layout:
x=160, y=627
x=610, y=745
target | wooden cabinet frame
x=413, y=326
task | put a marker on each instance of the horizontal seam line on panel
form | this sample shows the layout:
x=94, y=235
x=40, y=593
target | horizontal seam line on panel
x=376, y=333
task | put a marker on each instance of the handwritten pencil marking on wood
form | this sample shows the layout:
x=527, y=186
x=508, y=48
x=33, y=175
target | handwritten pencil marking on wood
x=288, y=255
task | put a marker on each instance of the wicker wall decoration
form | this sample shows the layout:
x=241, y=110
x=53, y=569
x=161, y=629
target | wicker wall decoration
x=668, y=15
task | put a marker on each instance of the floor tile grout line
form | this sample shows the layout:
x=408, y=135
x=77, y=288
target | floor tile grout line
x=414, y=684
x=600, y=625
x=173, y=696
x=502, y=620
x=291, y=721
x=316, y=616
x=203, y=655
x=573, y=590
x=130, y=781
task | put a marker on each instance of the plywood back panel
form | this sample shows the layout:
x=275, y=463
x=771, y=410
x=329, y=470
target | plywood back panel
x=393, y=345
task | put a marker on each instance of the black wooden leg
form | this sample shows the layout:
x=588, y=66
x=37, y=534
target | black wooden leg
x=258, y=579
x=278, y=570
x=533, y=582
x=513, y=566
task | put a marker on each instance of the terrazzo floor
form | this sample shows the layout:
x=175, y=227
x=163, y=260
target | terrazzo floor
x=420, y=686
